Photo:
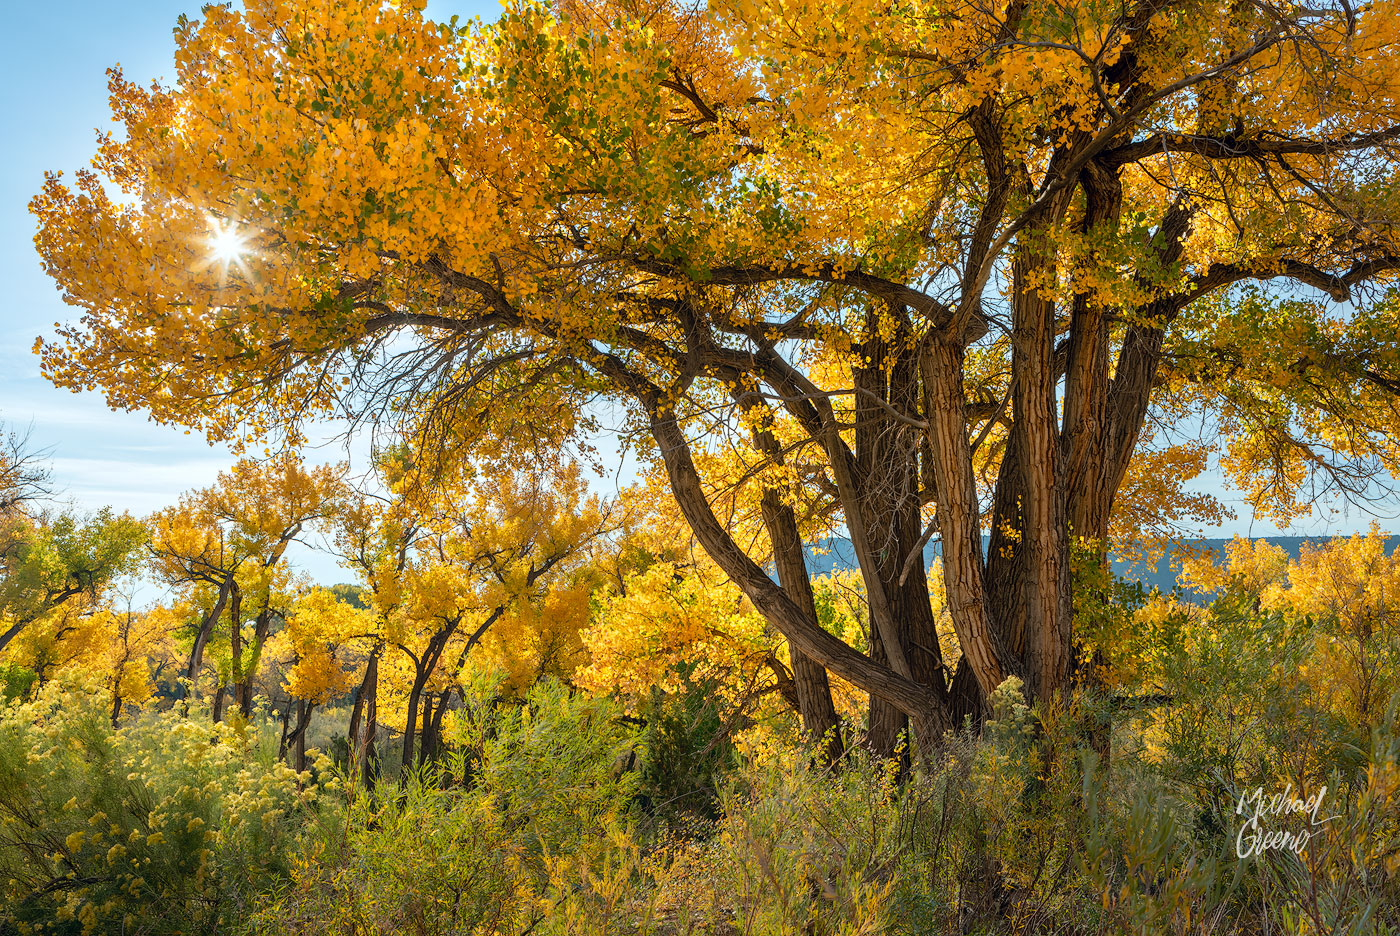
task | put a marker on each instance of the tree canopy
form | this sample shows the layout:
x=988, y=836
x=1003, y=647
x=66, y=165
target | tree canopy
x=919, y=270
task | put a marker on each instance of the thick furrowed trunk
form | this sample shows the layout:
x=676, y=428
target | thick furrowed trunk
x=887, y=487
x=1085, y=424
x=958, y=514
x=1044, y=537
x=1089, y=475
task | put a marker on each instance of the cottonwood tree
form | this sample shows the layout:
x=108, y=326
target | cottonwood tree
x=223, y=547
x=310, y=654
x=958, y=254
x=373, y=536
x=469, y=566
x=50, y=556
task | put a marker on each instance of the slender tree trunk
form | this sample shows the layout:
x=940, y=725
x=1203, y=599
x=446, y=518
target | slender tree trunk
x=206, y=630
x=217, y=709
x=410, y=728
x=235, y=639
x=286, y=728
x=364, y=720
x=438, y=712
x=297, y=739
x=810, y=682
x=423, y=671
x=304, y=710
x=425, y=743
x=245, y=687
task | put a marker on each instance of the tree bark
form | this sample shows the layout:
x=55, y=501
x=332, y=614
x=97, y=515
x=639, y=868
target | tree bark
x=235, y=638
x=206, y=630
x=813, y=690
x=244, y=689
x=364, y=720
x=1042, y=620
x=297, y=739
x=959, y=522
x=216, y=710
x=810, y=683
x=886, y=482
x=423, y=671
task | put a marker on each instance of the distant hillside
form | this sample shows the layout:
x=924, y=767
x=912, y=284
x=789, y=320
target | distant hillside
x=836, y=553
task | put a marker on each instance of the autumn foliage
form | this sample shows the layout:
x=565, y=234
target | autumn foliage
x=1001, y=280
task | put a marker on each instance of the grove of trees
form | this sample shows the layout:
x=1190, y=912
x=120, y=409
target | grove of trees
x=1004, y=278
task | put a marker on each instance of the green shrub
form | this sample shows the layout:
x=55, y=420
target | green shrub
x=16, y=682
x=524, y=827
x=689, y=750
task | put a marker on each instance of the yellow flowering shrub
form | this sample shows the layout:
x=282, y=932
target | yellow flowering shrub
x=169, y=824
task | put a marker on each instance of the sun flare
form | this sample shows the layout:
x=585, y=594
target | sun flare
x=227, y=244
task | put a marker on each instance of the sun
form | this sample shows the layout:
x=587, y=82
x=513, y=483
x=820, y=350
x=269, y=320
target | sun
x=227, y=243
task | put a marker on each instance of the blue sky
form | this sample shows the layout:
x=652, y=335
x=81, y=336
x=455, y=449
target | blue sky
x=53, y=57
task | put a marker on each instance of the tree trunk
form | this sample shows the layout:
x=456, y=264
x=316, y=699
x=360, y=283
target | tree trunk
x=810, y=682
x=425, y=743
x=438, y=712
x=919, y=702
x=364, y=721
x=235, y=638
x=965, y=577
x=206, y=630
x=298, y=738
x=217, y=709
x=423, y=671
x=10, y=633
x=286, y=728
x=410, y=728
x=244, y=689
x=888, y=500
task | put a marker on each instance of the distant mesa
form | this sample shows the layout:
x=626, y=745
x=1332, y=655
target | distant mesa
x=835, y=553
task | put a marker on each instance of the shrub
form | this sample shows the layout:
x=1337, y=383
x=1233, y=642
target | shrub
x=524, y=827
x=169, y=824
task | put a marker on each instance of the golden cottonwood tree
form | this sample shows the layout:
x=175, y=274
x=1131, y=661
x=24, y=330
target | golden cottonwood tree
x=224, y=545
x=310, y=652
x=962, y=251
x=128, y=647
x=460, y=565
x=50, y=557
